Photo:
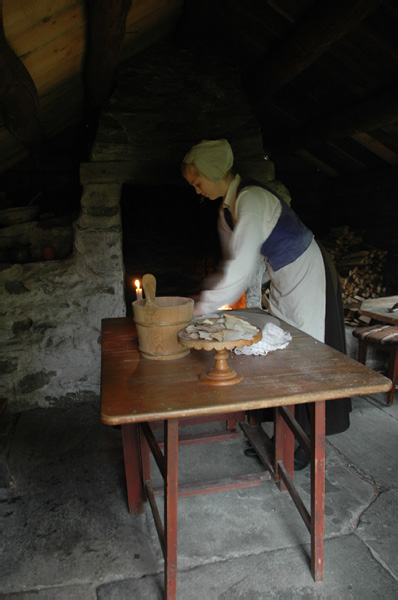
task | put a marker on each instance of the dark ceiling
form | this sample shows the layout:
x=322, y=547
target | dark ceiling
x=321, y=77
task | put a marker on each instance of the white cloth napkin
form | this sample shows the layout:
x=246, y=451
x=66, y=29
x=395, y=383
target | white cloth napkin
x=274, y=338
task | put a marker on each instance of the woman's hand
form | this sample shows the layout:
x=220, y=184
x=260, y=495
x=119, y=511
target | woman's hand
x=197, y=310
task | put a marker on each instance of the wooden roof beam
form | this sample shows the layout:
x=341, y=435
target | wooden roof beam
x=382, y=181
x=373, y=112
x=106, y=29
x=377, y=148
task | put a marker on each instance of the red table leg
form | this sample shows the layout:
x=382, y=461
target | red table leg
x=317, y=488
x=284, y=447
x=145, y=463
x=170, y=506
x=135, y=490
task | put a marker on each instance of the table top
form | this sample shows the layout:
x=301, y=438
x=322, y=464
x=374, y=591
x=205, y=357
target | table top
x=377, y=308
x=135, y=389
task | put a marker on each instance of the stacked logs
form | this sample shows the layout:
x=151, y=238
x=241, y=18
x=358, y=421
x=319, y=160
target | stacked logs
x=360, y=268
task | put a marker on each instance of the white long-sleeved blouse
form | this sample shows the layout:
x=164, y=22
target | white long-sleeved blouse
x=297, y=291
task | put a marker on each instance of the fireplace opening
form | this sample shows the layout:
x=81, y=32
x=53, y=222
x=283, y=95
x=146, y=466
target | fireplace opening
x=171, y=232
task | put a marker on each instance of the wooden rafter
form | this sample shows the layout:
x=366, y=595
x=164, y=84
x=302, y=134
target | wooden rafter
x=323, y=26
x=376, y=147
x=373, y=112
x=318, y=163
x=382, y=181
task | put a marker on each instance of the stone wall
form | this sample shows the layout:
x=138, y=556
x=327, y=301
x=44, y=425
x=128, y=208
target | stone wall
x=56, y=233
x=51, y=311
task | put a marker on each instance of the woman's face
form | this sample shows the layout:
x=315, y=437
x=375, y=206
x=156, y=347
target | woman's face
x=205, y=187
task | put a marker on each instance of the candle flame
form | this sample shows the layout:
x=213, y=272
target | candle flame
x=137, y=283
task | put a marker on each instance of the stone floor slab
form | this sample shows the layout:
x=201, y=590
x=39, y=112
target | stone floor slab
x=282, y=574
x=378, y=528
x=371, y=442
x=66, y=518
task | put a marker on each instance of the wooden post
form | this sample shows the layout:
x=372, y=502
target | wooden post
x=170, y=507
x=105, y=30
x=317, y=487
x=284, y=447
x=132, y=466
x=18, y=95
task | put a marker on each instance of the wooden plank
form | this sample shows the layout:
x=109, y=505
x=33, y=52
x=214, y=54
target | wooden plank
x=145, y=30
x=305, y=371
x=295, y=496
x=186, y=490
x=57, y=61
x=46, y=30
x=377, y=308
x=376, y=147
x=156, y=517
x=146, y=10
x=20, y=14
x=155, y=448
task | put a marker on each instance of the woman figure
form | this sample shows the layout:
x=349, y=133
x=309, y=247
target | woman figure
x=304, y=288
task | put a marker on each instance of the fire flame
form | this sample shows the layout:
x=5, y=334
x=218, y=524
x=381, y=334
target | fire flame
x=241, y=303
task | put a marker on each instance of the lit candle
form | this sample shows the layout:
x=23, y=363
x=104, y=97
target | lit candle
x=138, y=289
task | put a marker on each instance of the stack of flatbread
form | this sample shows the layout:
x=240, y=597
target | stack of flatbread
x=226, y=328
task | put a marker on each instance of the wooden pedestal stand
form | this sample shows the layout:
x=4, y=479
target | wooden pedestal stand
x=221, y=373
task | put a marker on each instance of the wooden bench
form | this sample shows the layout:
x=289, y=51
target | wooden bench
x=382, y=337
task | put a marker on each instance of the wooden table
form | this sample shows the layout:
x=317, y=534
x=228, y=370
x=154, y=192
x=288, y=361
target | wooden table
x=377, y=308
x=136, y=392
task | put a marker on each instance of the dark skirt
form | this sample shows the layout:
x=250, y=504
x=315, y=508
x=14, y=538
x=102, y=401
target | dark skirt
x=337, y=411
